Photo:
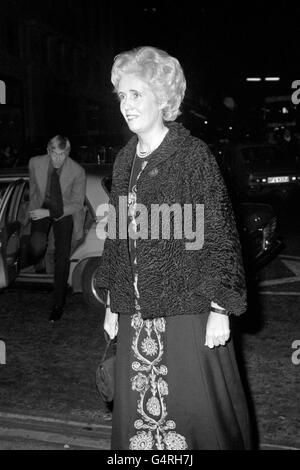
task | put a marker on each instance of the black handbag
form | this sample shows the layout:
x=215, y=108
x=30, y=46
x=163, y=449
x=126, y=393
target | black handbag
x=105, y=373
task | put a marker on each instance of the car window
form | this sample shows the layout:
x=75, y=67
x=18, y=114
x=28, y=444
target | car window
x=106, y=182
x=89, y=215
x=9, y=211
x=3, y=188
x=23, y=210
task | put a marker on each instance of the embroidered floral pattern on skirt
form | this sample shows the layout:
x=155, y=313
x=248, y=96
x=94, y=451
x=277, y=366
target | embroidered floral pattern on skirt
x=153, y=429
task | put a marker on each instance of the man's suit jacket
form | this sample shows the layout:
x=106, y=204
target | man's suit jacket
x=73, y=186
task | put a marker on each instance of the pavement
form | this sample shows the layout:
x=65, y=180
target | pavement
x=26, y=432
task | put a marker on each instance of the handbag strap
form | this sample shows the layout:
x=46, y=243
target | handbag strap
x=106, y=350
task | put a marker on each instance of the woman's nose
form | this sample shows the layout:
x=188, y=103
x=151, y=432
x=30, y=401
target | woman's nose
x=127, y=103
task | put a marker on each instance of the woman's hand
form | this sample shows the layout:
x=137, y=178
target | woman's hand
x=111, y=323
x=217, y=330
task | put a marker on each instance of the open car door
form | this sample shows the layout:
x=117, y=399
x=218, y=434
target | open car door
x=10, y=228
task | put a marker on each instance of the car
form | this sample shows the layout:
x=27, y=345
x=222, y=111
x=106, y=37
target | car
x=259, y=234
x=15, y=263
x=257, y=224
x=258, y=171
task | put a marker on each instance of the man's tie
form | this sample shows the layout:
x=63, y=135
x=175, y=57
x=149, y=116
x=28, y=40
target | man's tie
x=56, y=201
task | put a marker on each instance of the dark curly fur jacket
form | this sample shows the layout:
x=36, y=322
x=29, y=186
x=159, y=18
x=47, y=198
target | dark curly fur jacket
x=173, y=280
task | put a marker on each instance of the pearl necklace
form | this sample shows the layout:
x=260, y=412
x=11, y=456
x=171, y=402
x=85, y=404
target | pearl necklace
x=146, y=153
x=142, y=154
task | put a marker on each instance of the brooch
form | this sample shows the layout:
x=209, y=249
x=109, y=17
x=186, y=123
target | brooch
x=153, y=172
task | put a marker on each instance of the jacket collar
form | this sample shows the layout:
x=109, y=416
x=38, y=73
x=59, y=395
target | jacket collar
x=173, y=140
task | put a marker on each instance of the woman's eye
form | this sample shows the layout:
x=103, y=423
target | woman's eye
x=121, y=97
x=136, y=95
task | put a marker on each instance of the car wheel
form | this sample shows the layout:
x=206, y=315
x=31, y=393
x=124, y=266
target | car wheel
x=89, y=289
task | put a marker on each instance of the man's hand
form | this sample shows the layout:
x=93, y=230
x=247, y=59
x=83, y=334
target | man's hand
x=217, y=330
x=39, y=214
x=111, y=323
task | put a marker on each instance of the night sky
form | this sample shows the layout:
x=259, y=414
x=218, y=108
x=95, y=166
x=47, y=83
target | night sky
x=224, y=40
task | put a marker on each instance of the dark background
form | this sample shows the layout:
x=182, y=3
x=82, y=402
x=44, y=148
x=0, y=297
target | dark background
x=56, y=56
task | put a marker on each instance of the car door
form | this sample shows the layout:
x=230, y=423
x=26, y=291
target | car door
x=9, y=231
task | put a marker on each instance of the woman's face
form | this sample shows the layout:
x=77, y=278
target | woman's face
x=138, y=104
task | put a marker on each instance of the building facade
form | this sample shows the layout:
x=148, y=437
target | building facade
x=54, y=62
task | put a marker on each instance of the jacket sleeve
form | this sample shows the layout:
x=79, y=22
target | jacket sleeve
x=104, y=273
x=219, y=262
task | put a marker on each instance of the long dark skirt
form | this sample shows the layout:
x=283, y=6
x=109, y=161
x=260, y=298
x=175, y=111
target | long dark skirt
x=174, y=393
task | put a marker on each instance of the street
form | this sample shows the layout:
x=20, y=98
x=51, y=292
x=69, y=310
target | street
x=37, y=433
x=21, y=432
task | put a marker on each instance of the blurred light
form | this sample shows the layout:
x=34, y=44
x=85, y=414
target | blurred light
x=253, y=79
x=294, y=178
x=229, y=102
x=2, y=92
x=272, y=79
x=285, y=110
x=205, y=122
x=230, y=128
x=264, y=180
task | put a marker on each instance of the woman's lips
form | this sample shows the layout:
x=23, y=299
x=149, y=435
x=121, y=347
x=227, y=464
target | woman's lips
x=130, y=117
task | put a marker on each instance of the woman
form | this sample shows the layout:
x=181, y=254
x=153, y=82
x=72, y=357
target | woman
x=169, y=295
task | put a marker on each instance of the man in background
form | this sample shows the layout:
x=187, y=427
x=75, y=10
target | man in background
x=57, y=191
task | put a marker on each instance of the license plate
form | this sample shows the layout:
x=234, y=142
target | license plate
x=278, y=179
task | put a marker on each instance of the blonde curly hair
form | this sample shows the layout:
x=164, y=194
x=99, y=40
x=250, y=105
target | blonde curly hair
x=162, y=72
